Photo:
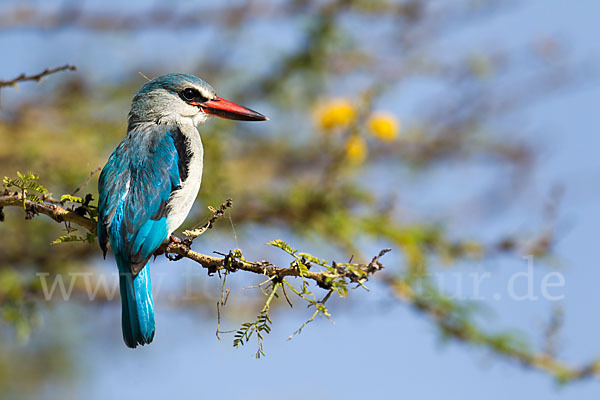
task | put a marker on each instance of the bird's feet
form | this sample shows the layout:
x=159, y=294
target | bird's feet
x=168, y=247
x=173, y=241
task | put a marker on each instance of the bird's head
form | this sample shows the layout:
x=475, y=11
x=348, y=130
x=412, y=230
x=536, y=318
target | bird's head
x=174, y=98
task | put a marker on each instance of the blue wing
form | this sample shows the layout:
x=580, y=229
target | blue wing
x=134, y=188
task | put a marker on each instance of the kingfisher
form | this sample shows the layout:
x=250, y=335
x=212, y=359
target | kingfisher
x=150, y=182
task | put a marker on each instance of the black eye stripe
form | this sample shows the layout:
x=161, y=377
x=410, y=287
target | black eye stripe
x=191, y=94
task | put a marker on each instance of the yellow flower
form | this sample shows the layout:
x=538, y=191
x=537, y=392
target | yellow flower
x=336, y=113
x=384, y=126
x=356, y=149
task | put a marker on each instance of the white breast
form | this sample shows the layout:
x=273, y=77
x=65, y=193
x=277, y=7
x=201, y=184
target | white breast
x=181, y=200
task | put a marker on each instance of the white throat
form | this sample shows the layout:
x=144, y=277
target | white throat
x=181, y=200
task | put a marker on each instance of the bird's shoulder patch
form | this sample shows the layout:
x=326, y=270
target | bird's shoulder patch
x=182, y=146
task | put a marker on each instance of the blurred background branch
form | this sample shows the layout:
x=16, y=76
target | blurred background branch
x=36, y=77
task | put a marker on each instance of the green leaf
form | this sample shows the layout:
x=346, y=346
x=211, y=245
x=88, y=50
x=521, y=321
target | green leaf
x=32, y=185
x=302, y=268
x=68, y=197
x=283, y=246
x=34, y=198
x=70, y=238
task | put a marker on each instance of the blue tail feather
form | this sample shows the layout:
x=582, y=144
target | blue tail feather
x=145, y=304
x=137, y=306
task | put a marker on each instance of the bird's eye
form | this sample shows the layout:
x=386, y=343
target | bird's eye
x=190, y=94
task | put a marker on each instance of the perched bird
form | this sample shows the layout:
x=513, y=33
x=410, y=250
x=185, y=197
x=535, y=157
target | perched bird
x=150, y=182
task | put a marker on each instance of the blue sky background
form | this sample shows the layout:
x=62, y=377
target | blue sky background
x=401, y=355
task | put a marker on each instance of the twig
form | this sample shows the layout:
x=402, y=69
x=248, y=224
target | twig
x=194, y=233
x=286, y=296
x=219, y=322
x=224, y=289
x=84, y=184
x=299, y=330
x=260, y=284
x=36, y=77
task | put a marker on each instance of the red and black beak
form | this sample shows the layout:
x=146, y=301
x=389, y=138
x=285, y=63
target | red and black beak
x=226, y=109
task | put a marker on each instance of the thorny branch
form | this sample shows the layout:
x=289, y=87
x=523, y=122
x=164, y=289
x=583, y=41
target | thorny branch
x=229, y=262
x=50, y=207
